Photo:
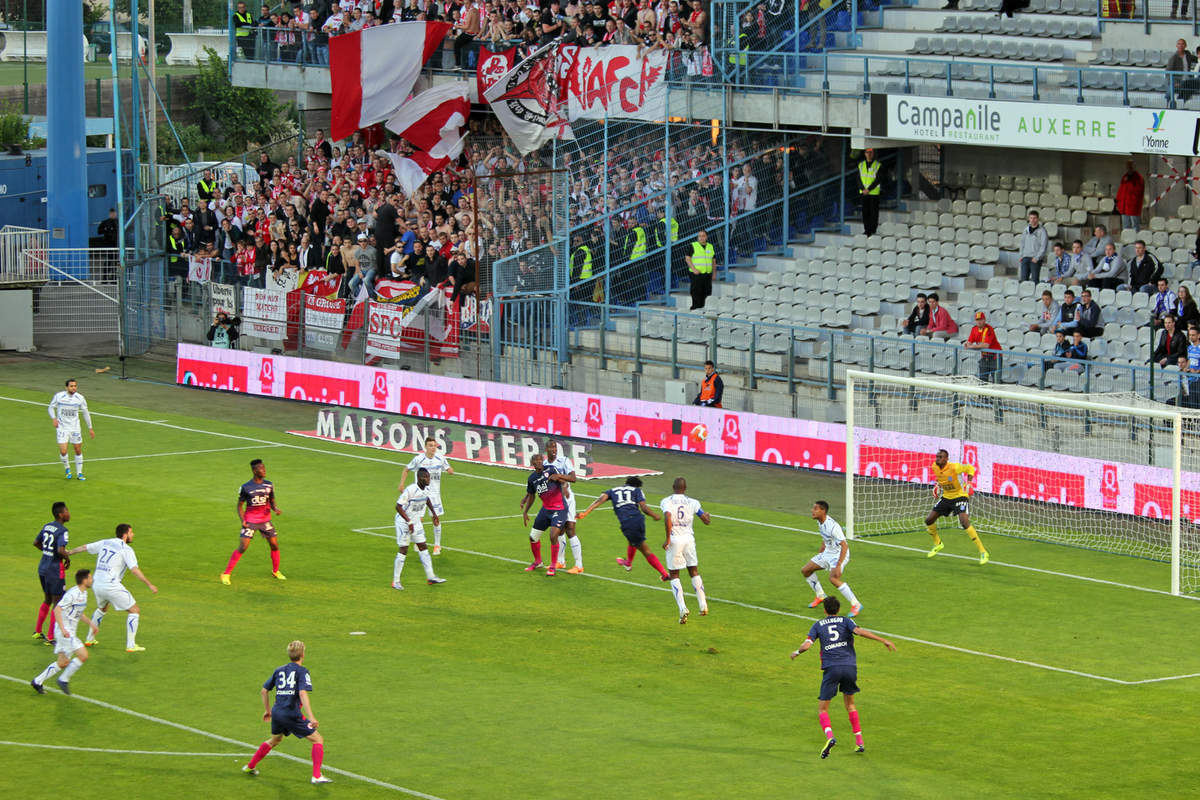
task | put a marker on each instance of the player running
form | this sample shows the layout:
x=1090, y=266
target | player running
x=65, y=410
x=544, y=482
x=410, y=514
x=953, y=484
x=436, y=464
x=834, y=558
x=52, y=541
x=256, y=501
x=70, y=654
x=678, y=512
x=839, y=668
x=567, y=469
x=629, y=504
x=292, y=713
x=113, y=557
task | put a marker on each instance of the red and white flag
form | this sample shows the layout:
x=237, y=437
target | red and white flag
x=372, y=71
x=527, y=101
x=492, y=67
x=433, y=121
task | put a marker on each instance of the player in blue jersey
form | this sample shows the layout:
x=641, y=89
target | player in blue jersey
x=256, y=501
x=291, y=715
x=839, y=667
x=52, y=541
x=546, y=483
x=629, y=504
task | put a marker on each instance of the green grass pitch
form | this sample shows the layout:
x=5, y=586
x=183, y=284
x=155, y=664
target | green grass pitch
x=1008, y=681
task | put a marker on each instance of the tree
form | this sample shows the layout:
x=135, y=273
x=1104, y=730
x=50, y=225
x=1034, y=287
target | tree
x=236, y=115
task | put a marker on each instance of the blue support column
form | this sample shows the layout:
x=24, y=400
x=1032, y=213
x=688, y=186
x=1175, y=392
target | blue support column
x=66, y=169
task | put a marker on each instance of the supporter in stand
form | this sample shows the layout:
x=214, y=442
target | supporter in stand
x=1095, y=247
x=1165, y=303
x=1109, y=271
x=918, y=318
x=1046, y=313
x=1144, y=270
x=1186, y=308
x=1171, y=343
x=941, y=324
x=1130, y=196
x=1032, y=252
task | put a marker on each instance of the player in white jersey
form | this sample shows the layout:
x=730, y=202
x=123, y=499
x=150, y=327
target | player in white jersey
x=678, y=512
x=410, y=516
x=69, y=652
x=65, y=409
x=834, y=557
x=565, y=467
x=436, y=464
x=113, y=557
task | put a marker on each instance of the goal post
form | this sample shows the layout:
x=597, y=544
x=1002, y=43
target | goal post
x=1104, y=472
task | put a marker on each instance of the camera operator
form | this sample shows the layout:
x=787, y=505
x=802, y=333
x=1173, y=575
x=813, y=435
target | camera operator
x=224, y=331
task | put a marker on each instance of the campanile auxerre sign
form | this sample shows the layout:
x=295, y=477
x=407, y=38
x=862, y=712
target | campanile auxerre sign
x=1040, y=126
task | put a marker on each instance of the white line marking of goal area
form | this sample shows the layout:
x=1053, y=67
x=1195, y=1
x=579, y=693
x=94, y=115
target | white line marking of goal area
x=377, y=460
x=143, y=455
x=792, y=614
x=250, y=747
x=119, y=752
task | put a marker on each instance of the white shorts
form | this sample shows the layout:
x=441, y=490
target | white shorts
x=682, y=552
x=64, y=434
x=435, y=502
x=66, y=645
x=570, y=506
x=827, y=560
x=403, y=537
x=116, y=596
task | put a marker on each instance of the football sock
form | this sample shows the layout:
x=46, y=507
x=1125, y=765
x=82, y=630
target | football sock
x=233, y=559
x=826, y=725
x=43, y=612
x=974, y=537
x=677, y=590
x=437, y=535
x=426, y=562
x=398, y=567
x=79, y=464
x=630, y=552
x=131, y=626
x=536, y=548
x=48, y=673
x=576, y=550
x=555, y=548
x=848, y=594
x=701, y=598
x=318, y=755
x=63, y=458
x=933, y=532
x=815, y=583
x=653, y=561
x=71, y=669
x=854, y=726
x=259, y=754
x=96, y=618
x=275, y=561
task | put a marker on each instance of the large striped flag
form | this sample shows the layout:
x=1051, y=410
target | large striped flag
x=372, y=71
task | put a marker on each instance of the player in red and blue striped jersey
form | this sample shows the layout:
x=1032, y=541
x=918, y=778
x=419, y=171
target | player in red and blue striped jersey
x=544, y=482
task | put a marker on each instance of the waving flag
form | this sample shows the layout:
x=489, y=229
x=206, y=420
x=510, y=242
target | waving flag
x=528, y=103
x=372, y=71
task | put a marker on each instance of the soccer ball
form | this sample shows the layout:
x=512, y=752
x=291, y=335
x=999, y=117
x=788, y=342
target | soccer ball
x=699, y=433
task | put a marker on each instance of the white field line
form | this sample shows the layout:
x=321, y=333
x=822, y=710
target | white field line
x=249, y=747
x=794, y=615
x=444, y=522
x=119, y=752
x=132, y=458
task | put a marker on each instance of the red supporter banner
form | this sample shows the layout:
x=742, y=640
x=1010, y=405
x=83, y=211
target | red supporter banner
x=808, y=444
x=492, y=66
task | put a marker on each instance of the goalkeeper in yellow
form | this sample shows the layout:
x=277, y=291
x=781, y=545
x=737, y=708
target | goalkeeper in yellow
x=952, y=488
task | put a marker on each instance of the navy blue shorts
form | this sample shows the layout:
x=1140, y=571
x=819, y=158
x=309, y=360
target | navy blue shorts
x=550, y=519
x=835, y=679
x=634, y=534
x=291, y=726
x=53, y=583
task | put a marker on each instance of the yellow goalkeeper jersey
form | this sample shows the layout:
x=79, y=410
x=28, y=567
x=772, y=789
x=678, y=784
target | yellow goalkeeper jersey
x=947, y=479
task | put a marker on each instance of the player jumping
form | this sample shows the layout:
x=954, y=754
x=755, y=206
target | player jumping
x=52, y=541
x=954, y=493
x=65, y=410
x=410, y=514
x=567, y=469
x=839, y=668
x=629, y=504
x=544, y=482
x=436, y=464
x=834, y=558
x=256, y=501
x=678, y=512
x=292, y=713
x=70, y=654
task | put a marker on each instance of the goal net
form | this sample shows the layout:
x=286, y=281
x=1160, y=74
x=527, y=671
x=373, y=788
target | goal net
x=1115, y=473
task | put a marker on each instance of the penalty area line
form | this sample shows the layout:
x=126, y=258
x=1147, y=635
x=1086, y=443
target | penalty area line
x=444, y=522
x=794, y=615
x=142, y=455
x=227, y=740
x=109, y=751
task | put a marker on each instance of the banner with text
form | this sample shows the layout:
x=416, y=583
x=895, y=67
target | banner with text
x=1005, y=471
x=613, y=82
x=264, y=313
x=224, y=298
